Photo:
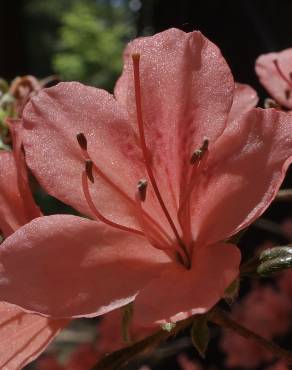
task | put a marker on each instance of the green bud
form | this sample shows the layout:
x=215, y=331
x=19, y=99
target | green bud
x=274, y=260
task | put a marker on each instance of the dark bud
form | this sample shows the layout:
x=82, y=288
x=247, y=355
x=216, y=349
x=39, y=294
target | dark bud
x=142, y=188
x=88, y=169
x=82, y=141
x=287, y=94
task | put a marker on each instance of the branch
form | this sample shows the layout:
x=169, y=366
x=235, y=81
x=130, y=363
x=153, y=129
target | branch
x=120, y=358
x=220, y=318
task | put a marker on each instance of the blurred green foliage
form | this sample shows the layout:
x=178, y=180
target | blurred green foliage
x=91, y=45
x=83, y=39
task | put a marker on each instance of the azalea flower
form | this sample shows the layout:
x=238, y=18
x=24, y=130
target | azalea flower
x=275, y=73
x=23, y=336
x=168, y=168
x=266, y=312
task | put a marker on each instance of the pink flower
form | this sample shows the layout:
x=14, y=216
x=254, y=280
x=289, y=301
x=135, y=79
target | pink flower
x=275, y=73
x=212, y=167
x=279, y=365
x=23, y=336
x=264, y=311
x=22, y=89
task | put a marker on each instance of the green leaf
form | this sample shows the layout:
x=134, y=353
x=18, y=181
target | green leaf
x=231, y=293
x=200, y=334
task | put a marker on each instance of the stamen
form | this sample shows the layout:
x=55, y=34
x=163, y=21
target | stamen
x=97, y=214
x=115, y=188
x=151, y=234
x=136, y=66
x=82, y=141
x=198, y=160
x=142, y=188
x=282, y=75
x=198, y=154
x=88, y=169
x=287, y=94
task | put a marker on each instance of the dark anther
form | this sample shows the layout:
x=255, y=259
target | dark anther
x=142, y=187
x=287, y=94
x=198, y=154
x=82, y=141
x=88, y=169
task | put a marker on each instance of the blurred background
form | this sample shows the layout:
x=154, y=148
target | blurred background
x=83, y=40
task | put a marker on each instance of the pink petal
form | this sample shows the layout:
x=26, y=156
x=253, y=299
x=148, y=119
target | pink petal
x=24, y=336
x=187, y=92
x=271, y=79
x=51, y=122
x=175, y=67
x=31, y=209
x=13, y=198
x=245, y=98
x=66, y=266
x=245, y=170
x=178, y=293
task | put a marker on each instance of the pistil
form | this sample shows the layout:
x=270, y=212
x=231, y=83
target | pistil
x=147, y=161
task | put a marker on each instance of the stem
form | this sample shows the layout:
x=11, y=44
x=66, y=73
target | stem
x=284, y=195
x=120, y=358
x=220, y=318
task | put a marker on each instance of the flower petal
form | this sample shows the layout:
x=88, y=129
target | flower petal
x=245, y=170
x=179, y=293
x=271, y=79
x=187, y=92
x=51, y=122
x=245, y=98
x=14, y=196
x=24, y=336
x=66, y=266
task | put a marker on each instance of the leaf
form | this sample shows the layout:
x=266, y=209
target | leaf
x=200, y=334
